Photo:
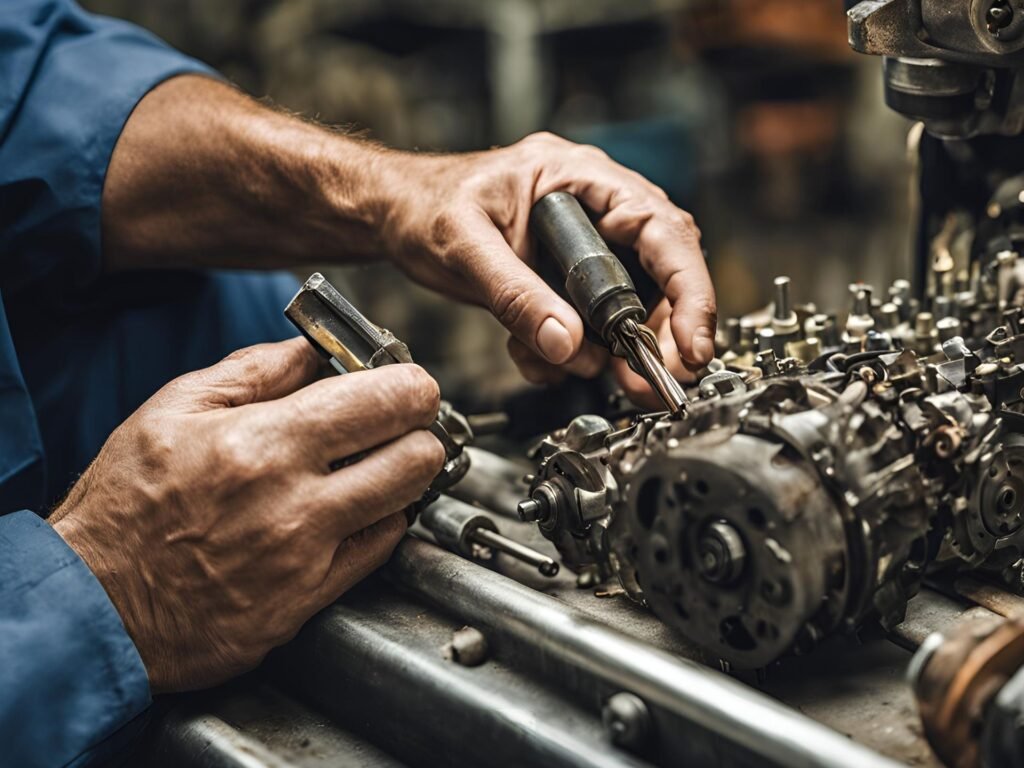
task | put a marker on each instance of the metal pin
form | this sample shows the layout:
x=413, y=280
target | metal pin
x=782, y=306
x=487, y=538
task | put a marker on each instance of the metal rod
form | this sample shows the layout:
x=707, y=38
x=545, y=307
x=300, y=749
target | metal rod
x=493, y=482
x=374, y=666
x=206, y=741
x=989, y=596
x=723, y=706
x=546, y=565
x=782, y=306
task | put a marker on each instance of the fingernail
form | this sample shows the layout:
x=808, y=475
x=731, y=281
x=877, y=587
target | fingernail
x=703, y=345
x=554, y=341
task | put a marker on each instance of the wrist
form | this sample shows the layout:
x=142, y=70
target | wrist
x=360, y=185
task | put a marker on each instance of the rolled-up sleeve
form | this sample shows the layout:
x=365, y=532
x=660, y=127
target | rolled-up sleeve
x=68, y=82
x=69, y=674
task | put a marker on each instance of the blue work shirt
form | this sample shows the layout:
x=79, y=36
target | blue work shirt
x=78, y=352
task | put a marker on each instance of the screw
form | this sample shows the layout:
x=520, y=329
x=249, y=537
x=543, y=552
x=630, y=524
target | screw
x=627, y=720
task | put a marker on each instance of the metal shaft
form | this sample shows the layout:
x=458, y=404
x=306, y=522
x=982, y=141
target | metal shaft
x=546, y=565
x=782, y=303
x=721, y=705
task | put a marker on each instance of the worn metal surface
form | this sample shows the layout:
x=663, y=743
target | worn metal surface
x=738, y=716
x=381, y=689
x=253, y=724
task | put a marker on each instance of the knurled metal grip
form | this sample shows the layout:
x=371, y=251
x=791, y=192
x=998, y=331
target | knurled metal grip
x=597, y=283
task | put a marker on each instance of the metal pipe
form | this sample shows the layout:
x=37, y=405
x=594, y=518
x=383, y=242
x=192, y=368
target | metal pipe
x=700, y=695
x=376, y=667
x=206, y=741
x=989, y=596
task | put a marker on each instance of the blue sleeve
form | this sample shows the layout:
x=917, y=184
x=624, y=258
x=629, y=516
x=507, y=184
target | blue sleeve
x=68, y=82
x=69, y=674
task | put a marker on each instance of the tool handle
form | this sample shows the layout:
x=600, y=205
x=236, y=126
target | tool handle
x=566, y=231
x=596, y=281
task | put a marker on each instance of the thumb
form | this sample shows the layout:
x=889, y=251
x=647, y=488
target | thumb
x=251, y=375
x=517, y=295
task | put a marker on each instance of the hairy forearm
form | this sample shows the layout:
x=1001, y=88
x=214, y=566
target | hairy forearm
x=204, y=176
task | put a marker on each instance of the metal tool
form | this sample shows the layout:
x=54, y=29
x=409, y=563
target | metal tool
x=465, y=530
x=352, y=343
x=603, y=292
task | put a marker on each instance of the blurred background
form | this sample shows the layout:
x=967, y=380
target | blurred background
x=752, y=114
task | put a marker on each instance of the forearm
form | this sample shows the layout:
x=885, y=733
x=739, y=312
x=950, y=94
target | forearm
x=204, y=176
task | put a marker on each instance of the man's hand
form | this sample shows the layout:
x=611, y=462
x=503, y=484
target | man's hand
x=203, y=176
x=213, y=519
x=460, y=225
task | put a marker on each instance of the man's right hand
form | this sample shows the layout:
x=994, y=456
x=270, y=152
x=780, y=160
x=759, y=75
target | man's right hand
x=212, y=517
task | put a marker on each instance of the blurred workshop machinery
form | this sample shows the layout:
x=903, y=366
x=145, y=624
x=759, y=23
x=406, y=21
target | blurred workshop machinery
x=835, y=505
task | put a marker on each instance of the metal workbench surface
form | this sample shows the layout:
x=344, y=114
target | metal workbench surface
x=372, y=681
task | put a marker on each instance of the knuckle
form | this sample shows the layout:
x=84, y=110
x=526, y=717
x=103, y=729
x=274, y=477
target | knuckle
x=707, y=306
x=234, y=454
x=543, y=138
x=590, y=152
x=510, y=303
x=156, y=444
x=433, y=455
x=682, y=220
x=418, y=388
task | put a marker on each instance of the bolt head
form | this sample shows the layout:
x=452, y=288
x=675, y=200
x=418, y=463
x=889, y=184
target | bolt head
x=627, y=720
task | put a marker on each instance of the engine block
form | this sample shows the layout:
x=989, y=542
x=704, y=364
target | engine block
x=819, y=473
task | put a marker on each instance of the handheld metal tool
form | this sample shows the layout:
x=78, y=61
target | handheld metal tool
x=603, y=292
x=352, y=343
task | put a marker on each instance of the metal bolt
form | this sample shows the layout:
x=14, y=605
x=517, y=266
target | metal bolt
x=529, y=510
x=468, y=647
x=782, y=306
x=949, y=328
x=627, y=720
x=721, y=553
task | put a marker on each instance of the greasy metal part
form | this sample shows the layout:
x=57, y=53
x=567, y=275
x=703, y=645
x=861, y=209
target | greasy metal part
x=468, y=647
x=340, y=332
x=956, y=65
x=493, y=482
x=467, y=531
x=206, y=741
x=545, y=565
x=602, y=291
x=725, y=707
x=955, y=679
x=627, y=719
x=375, y=661
x=990, y=596
x=802, y=497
